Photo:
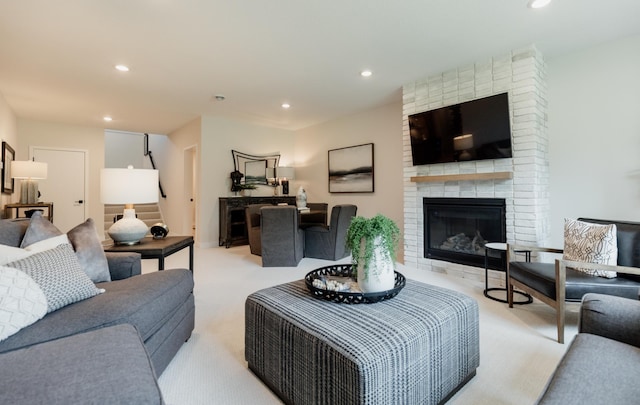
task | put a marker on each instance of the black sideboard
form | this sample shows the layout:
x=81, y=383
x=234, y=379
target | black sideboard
x=233, y=226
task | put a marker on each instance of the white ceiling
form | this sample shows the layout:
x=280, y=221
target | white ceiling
x=57, y=57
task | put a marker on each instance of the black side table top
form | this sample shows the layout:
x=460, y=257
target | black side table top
x=150, y=248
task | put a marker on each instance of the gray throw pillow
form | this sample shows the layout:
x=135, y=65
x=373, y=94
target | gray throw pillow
x=89, y=251
x=58, y=273
x=84, y=240
x=39, y=229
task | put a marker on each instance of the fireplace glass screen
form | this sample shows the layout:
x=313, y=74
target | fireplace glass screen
x=456, y=229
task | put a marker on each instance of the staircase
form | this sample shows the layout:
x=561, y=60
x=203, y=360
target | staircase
x=149, y=213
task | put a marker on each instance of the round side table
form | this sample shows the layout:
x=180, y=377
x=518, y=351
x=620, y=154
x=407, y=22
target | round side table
x=502, y=249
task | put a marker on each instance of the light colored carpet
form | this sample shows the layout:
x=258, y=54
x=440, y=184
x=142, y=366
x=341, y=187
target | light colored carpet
x=518, y=350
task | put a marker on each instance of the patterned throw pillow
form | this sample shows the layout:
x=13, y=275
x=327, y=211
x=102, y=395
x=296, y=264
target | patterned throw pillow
x=591, y=243
x=58, y=273
x=22, y=301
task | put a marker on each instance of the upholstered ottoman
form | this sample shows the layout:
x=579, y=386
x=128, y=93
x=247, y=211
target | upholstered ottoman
x=419, y=347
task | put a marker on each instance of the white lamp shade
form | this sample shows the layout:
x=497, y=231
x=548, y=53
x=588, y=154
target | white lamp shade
x=463, y=142
x=128, y=186
x=28, y=169
x=285, y=173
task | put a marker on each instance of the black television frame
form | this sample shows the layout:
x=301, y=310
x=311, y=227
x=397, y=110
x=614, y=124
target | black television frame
x=436, y=133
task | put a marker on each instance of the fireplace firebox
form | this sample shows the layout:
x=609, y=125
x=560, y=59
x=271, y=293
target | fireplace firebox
x=456, y=229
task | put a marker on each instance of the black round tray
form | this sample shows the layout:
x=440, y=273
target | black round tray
x=346, y=270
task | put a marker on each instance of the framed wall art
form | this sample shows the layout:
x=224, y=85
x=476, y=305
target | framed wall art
x=8, y=155
x=351, y=169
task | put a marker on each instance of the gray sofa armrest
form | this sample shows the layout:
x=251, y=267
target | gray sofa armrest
x=107, y=366
x=611, y=317
x=124, y=264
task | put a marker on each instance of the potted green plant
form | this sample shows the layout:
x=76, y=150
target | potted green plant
x=373, y=243
x=244, y=187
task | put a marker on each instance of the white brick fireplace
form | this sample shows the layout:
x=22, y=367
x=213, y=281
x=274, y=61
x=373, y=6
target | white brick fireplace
x=522, y=74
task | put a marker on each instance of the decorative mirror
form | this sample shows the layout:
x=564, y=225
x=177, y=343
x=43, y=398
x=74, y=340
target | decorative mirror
x=254, y=167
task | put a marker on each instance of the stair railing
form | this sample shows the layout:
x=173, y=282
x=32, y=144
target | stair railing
x=147, y=152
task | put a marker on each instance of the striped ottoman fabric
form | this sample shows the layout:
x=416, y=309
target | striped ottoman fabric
x=419, y=347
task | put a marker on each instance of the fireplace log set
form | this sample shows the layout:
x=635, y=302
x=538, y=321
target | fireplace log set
x=463, y=243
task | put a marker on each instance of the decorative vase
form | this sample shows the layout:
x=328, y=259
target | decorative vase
x=301, y=198
x=380, y=275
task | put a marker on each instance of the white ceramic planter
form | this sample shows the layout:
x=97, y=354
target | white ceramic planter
x=380, y=276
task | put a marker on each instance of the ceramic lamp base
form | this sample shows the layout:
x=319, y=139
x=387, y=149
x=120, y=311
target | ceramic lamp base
x=29, y=192
x=128, y=230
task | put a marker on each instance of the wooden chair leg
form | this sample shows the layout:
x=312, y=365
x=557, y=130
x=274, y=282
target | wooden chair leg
x=561, y=278
x=560, y=319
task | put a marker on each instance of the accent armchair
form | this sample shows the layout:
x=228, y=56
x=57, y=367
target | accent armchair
x=328, y=242
x=602, y=362
x=560, y=282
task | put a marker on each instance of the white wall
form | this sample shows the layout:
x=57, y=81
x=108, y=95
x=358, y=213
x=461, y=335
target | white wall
x=122, y=149
x=169, y=159
x=594, y=134
x=219, y=137
x=46, y=134
x=383, y=127
x=9, y=134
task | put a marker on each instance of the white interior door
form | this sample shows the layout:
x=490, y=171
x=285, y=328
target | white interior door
x=189, y=219
x=65, y=184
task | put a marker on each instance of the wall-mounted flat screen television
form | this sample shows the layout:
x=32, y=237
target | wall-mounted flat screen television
x=473, y=130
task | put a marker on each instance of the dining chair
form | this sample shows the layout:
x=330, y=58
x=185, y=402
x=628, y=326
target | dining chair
x=329, y=242
x=282, y=239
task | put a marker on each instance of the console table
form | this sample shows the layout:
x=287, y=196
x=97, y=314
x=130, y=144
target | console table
x=18, y=208
x=233, y=226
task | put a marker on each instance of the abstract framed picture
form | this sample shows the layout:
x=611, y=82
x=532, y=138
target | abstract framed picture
x=8, y=155
x=351, y=169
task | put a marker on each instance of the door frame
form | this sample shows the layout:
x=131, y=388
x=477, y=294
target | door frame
x=85, y=152
x=190, y=184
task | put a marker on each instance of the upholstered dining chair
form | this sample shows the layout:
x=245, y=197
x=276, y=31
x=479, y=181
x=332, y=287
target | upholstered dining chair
x=329, y=242
x=558, y=283
x=252, y=218
x=282, y=239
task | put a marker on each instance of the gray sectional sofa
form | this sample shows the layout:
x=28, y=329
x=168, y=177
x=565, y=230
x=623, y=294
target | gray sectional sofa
x=602, y=364
x=139, y=316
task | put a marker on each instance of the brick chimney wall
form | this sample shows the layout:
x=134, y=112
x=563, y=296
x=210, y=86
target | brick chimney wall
x=521, y=73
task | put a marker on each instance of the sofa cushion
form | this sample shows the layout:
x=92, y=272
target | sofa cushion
x=59, y=275
x=22, y=301
x=595, y=370
x=83, y=238
x=107, y=366
x=591, y=243
x=542, y=277
x=145, y=301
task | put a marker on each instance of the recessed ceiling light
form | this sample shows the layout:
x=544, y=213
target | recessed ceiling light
x=286, y=105
x=107, y=118
x=538, y=3
x=366, y=73
x=219, y=97
x=122, y=68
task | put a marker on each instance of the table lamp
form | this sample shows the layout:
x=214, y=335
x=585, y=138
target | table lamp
x=463, y=143
x=30, y=172
x=284, y=174
x=128, y=186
